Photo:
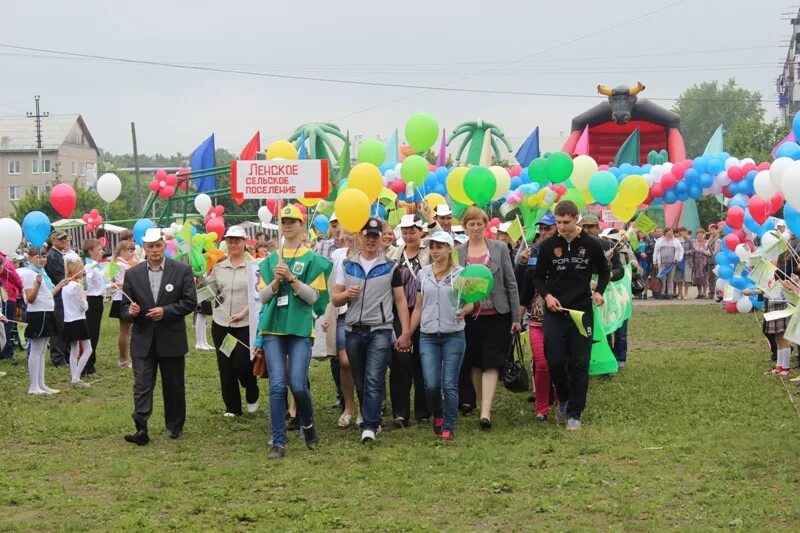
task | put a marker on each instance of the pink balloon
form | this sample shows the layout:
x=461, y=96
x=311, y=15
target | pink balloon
x=759, y=209
x=747, y=167
x=63, y=199
x=171, y=179
x=220, y=210
x=668, y=180
x=730, y=307
x=763, y=166
x=154, y=186
x=216, y=225
x=731, y=241
x=735, y=217
x=161, y=174
x=735, y=173
x=678, y=170
x=657, y=190
x=397, y=186
x=272, y=205
x=515, y=171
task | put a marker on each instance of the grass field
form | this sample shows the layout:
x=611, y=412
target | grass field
x=690, y=436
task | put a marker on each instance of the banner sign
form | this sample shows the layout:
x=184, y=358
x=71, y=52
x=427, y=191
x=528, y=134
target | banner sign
x=280, y=179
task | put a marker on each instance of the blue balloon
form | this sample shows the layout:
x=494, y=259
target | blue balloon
x=789, y=149
x=322, y=223
x=738, y=282
x=442, y=173
x=796, y=127
x=670, y=197
x=726, y=229
x=523, y=175
x=515, y=182
x=757, y=304
x=715, y=166
x=627, y=167
x=725, y=272
x=36, y=227
x=700, y=164
x=384, y=167
x=792, y=218
x=724, y=156
x=691, y=176
x=737, y=202
x=695, y=192
x=681, y=187
x=706, y=181
x=142, y=225
x=721, y=258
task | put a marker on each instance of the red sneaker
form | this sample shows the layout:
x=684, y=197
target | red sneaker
x=437, y=425
x=448, y=437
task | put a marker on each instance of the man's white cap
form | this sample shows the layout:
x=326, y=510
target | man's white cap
x=333, y=218
x=410, y=221
x=442, y=237
x=236, y=231
x=457, y=229
x=611, y=233
x=442, y=210
x=504, y=227
x=780, y=222
x=152, y=235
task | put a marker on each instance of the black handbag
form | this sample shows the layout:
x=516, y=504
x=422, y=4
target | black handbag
x=515, y=375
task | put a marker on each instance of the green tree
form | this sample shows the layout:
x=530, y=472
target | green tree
x=704, y=107
x=87, y=200
x=754, y=138
x=709, y=210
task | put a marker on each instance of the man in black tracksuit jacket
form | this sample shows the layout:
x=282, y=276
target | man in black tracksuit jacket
x=563, y=275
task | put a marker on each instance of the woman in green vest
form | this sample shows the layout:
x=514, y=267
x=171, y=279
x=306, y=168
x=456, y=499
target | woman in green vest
x=296, y=291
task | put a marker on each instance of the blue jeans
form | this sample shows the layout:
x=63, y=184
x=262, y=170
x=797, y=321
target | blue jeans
x=369, y=353
x=278, y=350
x=441, y=357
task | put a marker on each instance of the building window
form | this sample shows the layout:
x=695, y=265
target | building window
x=38, y=189
x=14, y=192
x=14, y=167
x=46, y=166
x=74, y=168
x=83, y=169
x=35, y=166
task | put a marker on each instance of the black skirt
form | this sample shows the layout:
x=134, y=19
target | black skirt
x=115, y=309
x=488, y=340
x=75, y=331
x=41, y=324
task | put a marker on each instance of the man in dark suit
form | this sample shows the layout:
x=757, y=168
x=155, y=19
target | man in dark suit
x=162, y=292
x=59, y=249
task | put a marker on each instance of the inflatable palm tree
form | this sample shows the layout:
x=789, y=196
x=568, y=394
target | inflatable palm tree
x=319, y=136
x=475, y=132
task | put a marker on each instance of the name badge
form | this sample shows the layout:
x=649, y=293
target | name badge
x=283, y=301
x=169, y=287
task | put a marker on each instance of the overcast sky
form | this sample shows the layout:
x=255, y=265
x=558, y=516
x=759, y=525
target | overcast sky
x=564, y=48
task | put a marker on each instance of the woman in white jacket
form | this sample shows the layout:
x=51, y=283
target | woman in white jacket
x=667, y=254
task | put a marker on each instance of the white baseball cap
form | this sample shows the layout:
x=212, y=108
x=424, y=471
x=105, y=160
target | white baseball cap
x=504, y=227
x=442, y=210
x=237, y=232
x=333, y=218
x=152, y=235
x=442, y=237
x=461, y=238
x=410, y=221
x=457, y=229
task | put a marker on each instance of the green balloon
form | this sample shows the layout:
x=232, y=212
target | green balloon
x=474, y=283
x=324, y=207
x=537, y=171
x=576, y=196
x=458, y=209
x=480, y=185
x=342, y=186
x=414, y=169
x=559, y=167
x=603, y=187
x=372, y=151
x=422, y=130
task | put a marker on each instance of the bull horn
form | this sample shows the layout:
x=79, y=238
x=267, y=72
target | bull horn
x=633, y=91
x=605, y=91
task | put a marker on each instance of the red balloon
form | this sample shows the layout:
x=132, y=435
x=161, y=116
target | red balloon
x=515, y=171
x=94, y=212
x=63, y=199
x=668, y=180
x=740, y=234
x=747, y=167
x=730, y=307
x=397, y=186
x=167, y=192
x=171, y=179
x=735, y=173
x=775, y=203
x=759, y=209
x=657, y=190
x=161, y=174
x=726, y=192
x=678, y=170
x=217, y=225
x=220, y=210
x=735, y=217
x=763, y=166
x=154, y=186
x=731, y=241
x=272, y=205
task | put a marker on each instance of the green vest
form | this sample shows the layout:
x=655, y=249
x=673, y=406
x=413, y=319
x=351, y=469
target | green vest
x=296, y=317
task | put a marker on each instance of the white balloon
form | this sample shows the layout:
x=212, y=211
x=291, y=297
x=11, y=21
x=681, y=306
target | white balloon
x=264, y=214
x=777, y=170
x=768, y=242
x=744, y=305
x=730, y=162
x=650, y=179
x=10, y=235
x=747, y=160
x=790, y=185
x=109, y=187
x=202, y=202
x=742, y=251
x=720, y=285
x=722, y=179
x=763, y=185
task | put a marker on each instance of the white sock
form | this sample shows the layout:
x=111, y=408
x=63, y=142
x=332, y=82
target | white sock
x=784, y=354
x=33, y=371
x=38, y=347
x=86, y=351
x=73, y=360
x=200, y=330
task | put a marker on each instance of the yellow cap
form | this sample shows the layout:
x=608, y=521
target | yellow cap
x=291, y=211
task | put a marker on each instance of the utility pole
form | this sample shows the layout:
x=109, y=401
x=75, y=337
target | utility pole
x=136, y=169
x=37, y=119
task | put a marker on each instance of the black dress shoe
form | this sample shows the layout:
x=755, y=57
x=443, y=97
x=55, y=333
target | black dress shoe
x=139, y=438
x=466, y=409
x=485, y=424
x=175, y=434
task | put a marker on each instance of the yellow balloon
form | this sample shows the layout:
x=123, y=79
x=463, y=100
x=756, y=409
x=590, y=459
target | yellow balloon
x=366, y=177
x=583, y=168
x=502, y=181
x=281, y=150
x=352, y=210
x=455, y=186
x=309, y=202
x=435, y=199
x=587, y=196
x=633, y=190
x=532, y=201
x=622, y=211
